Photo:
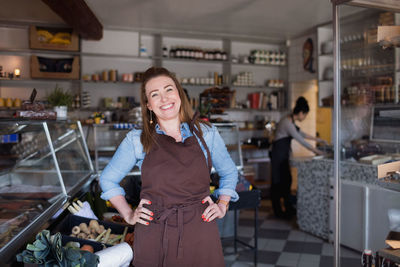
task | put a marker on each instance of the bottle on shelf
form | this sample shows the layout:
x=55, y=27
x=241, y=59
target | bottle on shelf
x=165, y=51
x=143, y=51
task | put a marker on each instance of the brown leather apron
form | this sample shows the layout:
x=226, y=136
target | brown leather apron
x=175, y=178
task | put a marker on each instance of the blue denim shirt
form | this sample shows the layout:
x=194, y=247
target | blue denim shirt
x=130, y=153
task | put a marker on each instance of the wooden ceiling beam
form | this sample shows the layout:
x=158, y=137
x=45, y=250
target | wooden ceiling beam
x=79, y=16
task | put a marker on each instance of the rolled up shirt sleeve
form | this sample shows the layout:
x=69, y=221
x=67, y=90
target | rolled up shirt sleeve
x=120, y=165
x=223, y=164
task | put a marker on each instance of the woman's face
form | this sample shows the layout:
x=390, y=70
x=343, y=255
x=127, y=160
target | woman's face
x=163, y=98
x=301, y=116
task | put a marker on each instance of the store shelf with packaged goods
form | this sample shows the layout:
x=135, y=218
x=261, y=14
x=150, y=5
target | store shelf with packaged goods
x=326, y=55
x=100, y=109
x=203, y=85
x=5, y=81
x=258, y=65
x=95, y=58
x=104, y=55
x=258, y=87
x=192, y=60
x=104, y=83
x=21, y=51
x=255, y=109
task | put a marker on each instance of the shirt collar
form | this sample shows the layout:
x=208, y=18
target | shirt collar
x=184, y=128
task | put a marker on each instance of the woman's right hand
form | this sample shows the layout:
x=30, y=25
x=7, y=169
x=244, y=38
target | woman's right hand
x=140, y=214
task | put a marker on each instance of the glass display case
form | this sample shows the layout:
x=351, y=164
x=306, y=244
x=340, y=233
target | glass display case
x=104, y=139
x=366, y=122
x=230, y=134
x=42, y=164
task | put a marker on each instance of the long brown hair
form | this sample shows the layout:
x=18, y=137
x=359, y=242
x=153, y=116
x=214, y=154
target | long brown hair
x=147, y=137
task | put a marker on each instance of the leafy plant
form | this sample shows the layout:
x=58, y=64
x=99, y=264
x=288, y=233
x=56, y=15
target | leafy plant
x=59, y=97
x=47, y=251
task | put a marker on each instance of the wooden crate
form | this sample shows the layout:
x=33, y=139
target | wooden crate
x=36, y=73
x=35, y=43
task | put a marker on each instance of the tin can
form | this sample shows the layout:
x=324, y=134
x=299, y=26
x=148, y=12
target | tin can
x=113, y=75
x=104, y=76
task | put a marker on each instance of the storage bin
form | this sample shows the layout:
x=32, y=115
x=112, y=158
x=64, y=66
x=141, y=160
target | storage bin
x=97, y=246
x=36, y=41
x=73, y=74
x=70, y=221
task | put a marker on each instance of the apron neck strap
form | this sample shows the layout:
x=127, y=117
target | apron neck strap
x=196, y=132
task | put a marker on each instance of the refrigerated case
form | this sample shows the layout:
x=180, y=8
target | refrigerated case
x=104, y=139
x=42, y=165
x=366, y=79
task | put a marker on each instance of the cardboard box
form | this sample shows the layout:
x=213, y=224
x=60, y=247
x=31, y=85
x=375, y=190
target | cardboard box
x=383, y=169
x=386, y=18
x=372, y=36
x=36, y=43
x=387, y=33
x=375, y=159
x=36, y=73
x=393, y=239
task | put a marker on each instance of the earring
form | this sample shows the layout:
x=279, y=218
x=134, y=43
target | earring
x=151, y=117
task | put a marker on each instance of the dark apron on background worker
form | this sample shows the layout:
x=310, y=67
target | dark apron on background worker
x=176, y=178
x=281, y=176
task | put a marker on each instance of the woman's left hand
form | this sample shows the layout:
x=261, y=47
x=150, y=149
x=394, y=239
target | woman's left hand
x=213, y=210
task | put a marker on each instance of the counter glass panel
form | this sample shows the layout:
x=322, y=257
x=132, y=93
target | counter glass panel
x=41, y=162
x=368, y=43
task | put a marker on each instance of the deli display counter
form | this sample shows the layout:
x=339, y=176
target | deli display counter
x=365, y=91
x=42, y=165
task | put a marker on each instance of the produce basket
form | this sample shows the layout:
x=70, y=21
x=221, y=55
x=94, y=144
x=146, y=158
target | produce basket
x=65, y=228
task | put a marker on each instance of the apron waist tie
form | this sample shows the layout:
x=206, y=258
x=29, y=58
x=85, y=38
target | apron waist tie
x=164, y=215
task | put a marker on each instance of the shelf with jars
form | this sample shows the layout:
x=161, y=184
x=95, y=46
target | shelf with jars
x=363, y=63
x=145, y=50
x=361, y=54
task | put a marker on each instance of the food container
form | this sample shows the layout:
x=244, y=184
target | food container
x=70, y=221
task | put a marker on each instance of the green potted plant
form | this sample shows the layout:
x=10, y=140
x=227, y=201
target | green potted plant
x=60, y=100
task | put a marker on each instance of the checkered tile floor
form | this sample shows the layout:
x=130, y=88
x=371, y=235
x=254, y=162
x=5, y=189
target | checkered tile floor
x=281, y=243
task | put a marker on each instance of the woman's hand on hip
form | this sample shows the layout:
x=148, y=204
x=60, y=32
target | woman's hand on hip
x=213, y=210
x=140, y=214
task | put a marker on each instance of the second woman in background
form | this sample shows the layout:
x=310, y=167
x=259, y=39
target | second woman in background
x=280, y=168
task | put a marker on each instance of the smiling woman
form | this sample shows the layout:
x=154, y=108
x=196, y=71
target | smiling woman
x=164, y=101
x=175, y=151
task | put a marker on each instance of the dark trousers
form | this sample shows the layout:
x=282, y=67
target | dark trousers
x=280, y=187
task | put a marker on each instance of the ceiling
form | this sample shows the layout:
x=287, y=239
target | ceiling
x=272, y=21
